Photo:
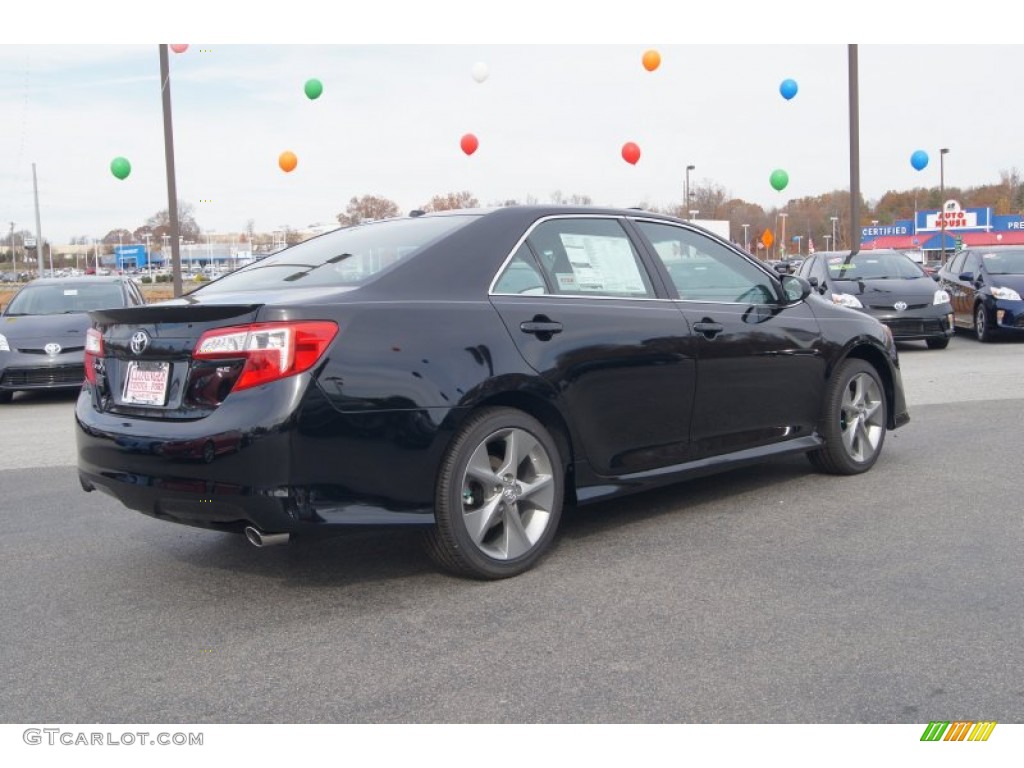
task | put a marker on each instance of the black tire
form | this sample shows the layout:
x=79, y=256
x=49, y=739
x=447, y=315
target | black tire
x=937, y=343
x=494, y=520
x=855, y=420
x=982, y=328
x=6, y=397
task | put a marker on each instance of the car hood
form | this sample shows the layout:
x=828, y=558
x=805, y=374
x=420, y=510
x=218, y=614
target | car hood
x=62, y=329
x=911, y=290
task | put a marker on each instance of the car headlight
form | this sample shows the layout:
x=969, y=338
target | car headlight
x=846, y=300
x=941, y=297
x=1005, y=293
x=4, y=346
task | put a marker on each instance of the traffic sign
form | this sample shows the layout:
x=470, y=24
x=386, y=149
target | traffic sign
x=767, y=238
x=30, y=242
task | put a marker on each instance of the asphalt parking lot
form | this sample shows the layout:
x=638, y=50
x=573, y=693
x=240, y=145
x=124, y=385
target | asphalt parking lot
x=771, y=594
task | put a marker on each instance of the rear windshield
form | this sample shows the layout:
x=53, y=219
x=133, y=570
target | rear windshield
x=873, y=266
x=1004, y=262
x=348, y=256
x=65, y=298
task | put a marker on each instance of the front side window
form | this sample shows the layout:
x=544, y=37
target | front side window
x=705, y=270
x=971, y=264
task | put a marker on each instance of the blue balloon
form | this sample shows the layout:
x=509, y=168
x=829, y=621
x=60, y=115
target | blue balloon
x=788, y=89
x=919, y=160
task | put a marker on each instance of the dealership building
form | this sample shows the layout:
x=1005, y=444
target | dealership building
x=931, y=232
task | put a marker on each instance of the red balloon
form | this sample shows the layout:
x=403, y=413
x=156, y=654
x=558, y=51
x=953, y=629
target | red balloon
x=469, y=143
x=179, y=47
x=630, y=152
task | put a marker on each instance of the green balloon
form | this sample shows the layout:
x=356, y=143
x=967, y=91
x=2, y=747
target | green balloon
x=779, y=179
x=120, y=167
x=314, y=88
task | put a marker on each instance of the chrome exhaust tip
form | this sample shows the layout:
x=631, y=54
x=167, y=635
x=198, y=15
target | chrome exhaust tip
x=260, y=538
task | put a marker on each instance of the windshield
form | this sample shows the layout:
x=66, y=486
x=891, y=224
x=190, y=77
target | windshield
x=65, y=298
x=1004, y=263
x=873, y=266
x=349, y=256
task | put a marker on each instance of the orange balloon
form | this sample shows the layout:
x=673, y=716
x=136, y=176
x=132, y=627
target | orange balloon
x=287, y=161
x=652, y=60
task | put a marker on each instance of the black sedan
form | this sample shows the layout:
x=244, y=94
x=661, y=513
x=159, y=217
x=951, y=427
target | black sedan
x=472, y=372
x=42, y=330
x=889, y=286
x=986, y=285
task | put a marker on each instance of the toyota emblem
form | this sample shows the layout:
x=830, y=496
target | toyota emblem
x=899, y=306
x=139, y=342
x=52, y=349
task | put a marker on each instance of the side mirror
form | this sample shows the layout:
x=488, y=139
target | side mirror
x=813, y=282
x=935, y=276
x=967, y=277
x=795, y=288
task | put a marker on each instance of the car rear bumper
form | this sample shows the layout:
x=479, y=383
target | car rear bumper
x=274, y=473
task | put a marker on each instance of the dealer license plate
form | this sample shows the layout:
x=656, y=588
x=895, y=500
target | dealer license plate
x=146, y=383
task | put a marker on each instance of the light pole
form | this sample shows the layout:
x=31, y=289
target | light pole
x=149, y=262
x=746, y=238
x=799, y=240
x=835, y=242
x=119, y=261
x=942, y=199
x=689, y=168
x=782, y=240
x=827, y=238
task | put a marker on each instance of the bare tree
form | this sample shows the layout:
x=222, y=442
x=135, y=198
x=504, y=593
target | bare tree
x=187, y=226
x=452, y=201
x=367, y=207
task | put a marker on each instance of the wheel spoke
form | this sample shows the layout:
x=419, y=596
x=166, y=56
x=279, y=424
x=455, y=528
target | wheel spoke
x=480, y=521
x=480, y=466
x=850, y=434
x=542, y=488
x=517, y=542
x=872, y=411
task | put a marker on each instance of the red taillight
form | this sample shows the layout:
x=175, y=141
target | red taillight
x=93, y=352
x=271, y=350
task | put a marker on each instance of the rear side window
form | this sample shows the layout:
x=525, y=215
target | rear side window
x=589, y=257
x=349, y=256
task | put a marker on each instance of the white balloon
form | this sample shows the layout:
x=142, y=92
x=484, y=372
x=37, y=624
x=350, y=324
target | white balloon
x=480, y=71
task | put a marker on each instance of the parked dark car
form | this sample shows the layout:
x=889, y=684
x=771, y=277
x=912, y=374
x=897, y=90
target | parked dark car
x=889, y=286
x=986, y=285
x=472, y=372
x=42, y=330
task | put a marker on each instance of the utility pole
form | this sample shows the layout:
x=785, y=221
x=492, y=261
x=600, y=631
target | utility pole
x=172, y=192
x=10, y=244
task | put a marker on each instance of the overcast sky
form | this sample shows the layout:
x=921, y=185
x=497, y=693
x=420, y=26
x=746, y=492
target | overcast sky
x=548, y=117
